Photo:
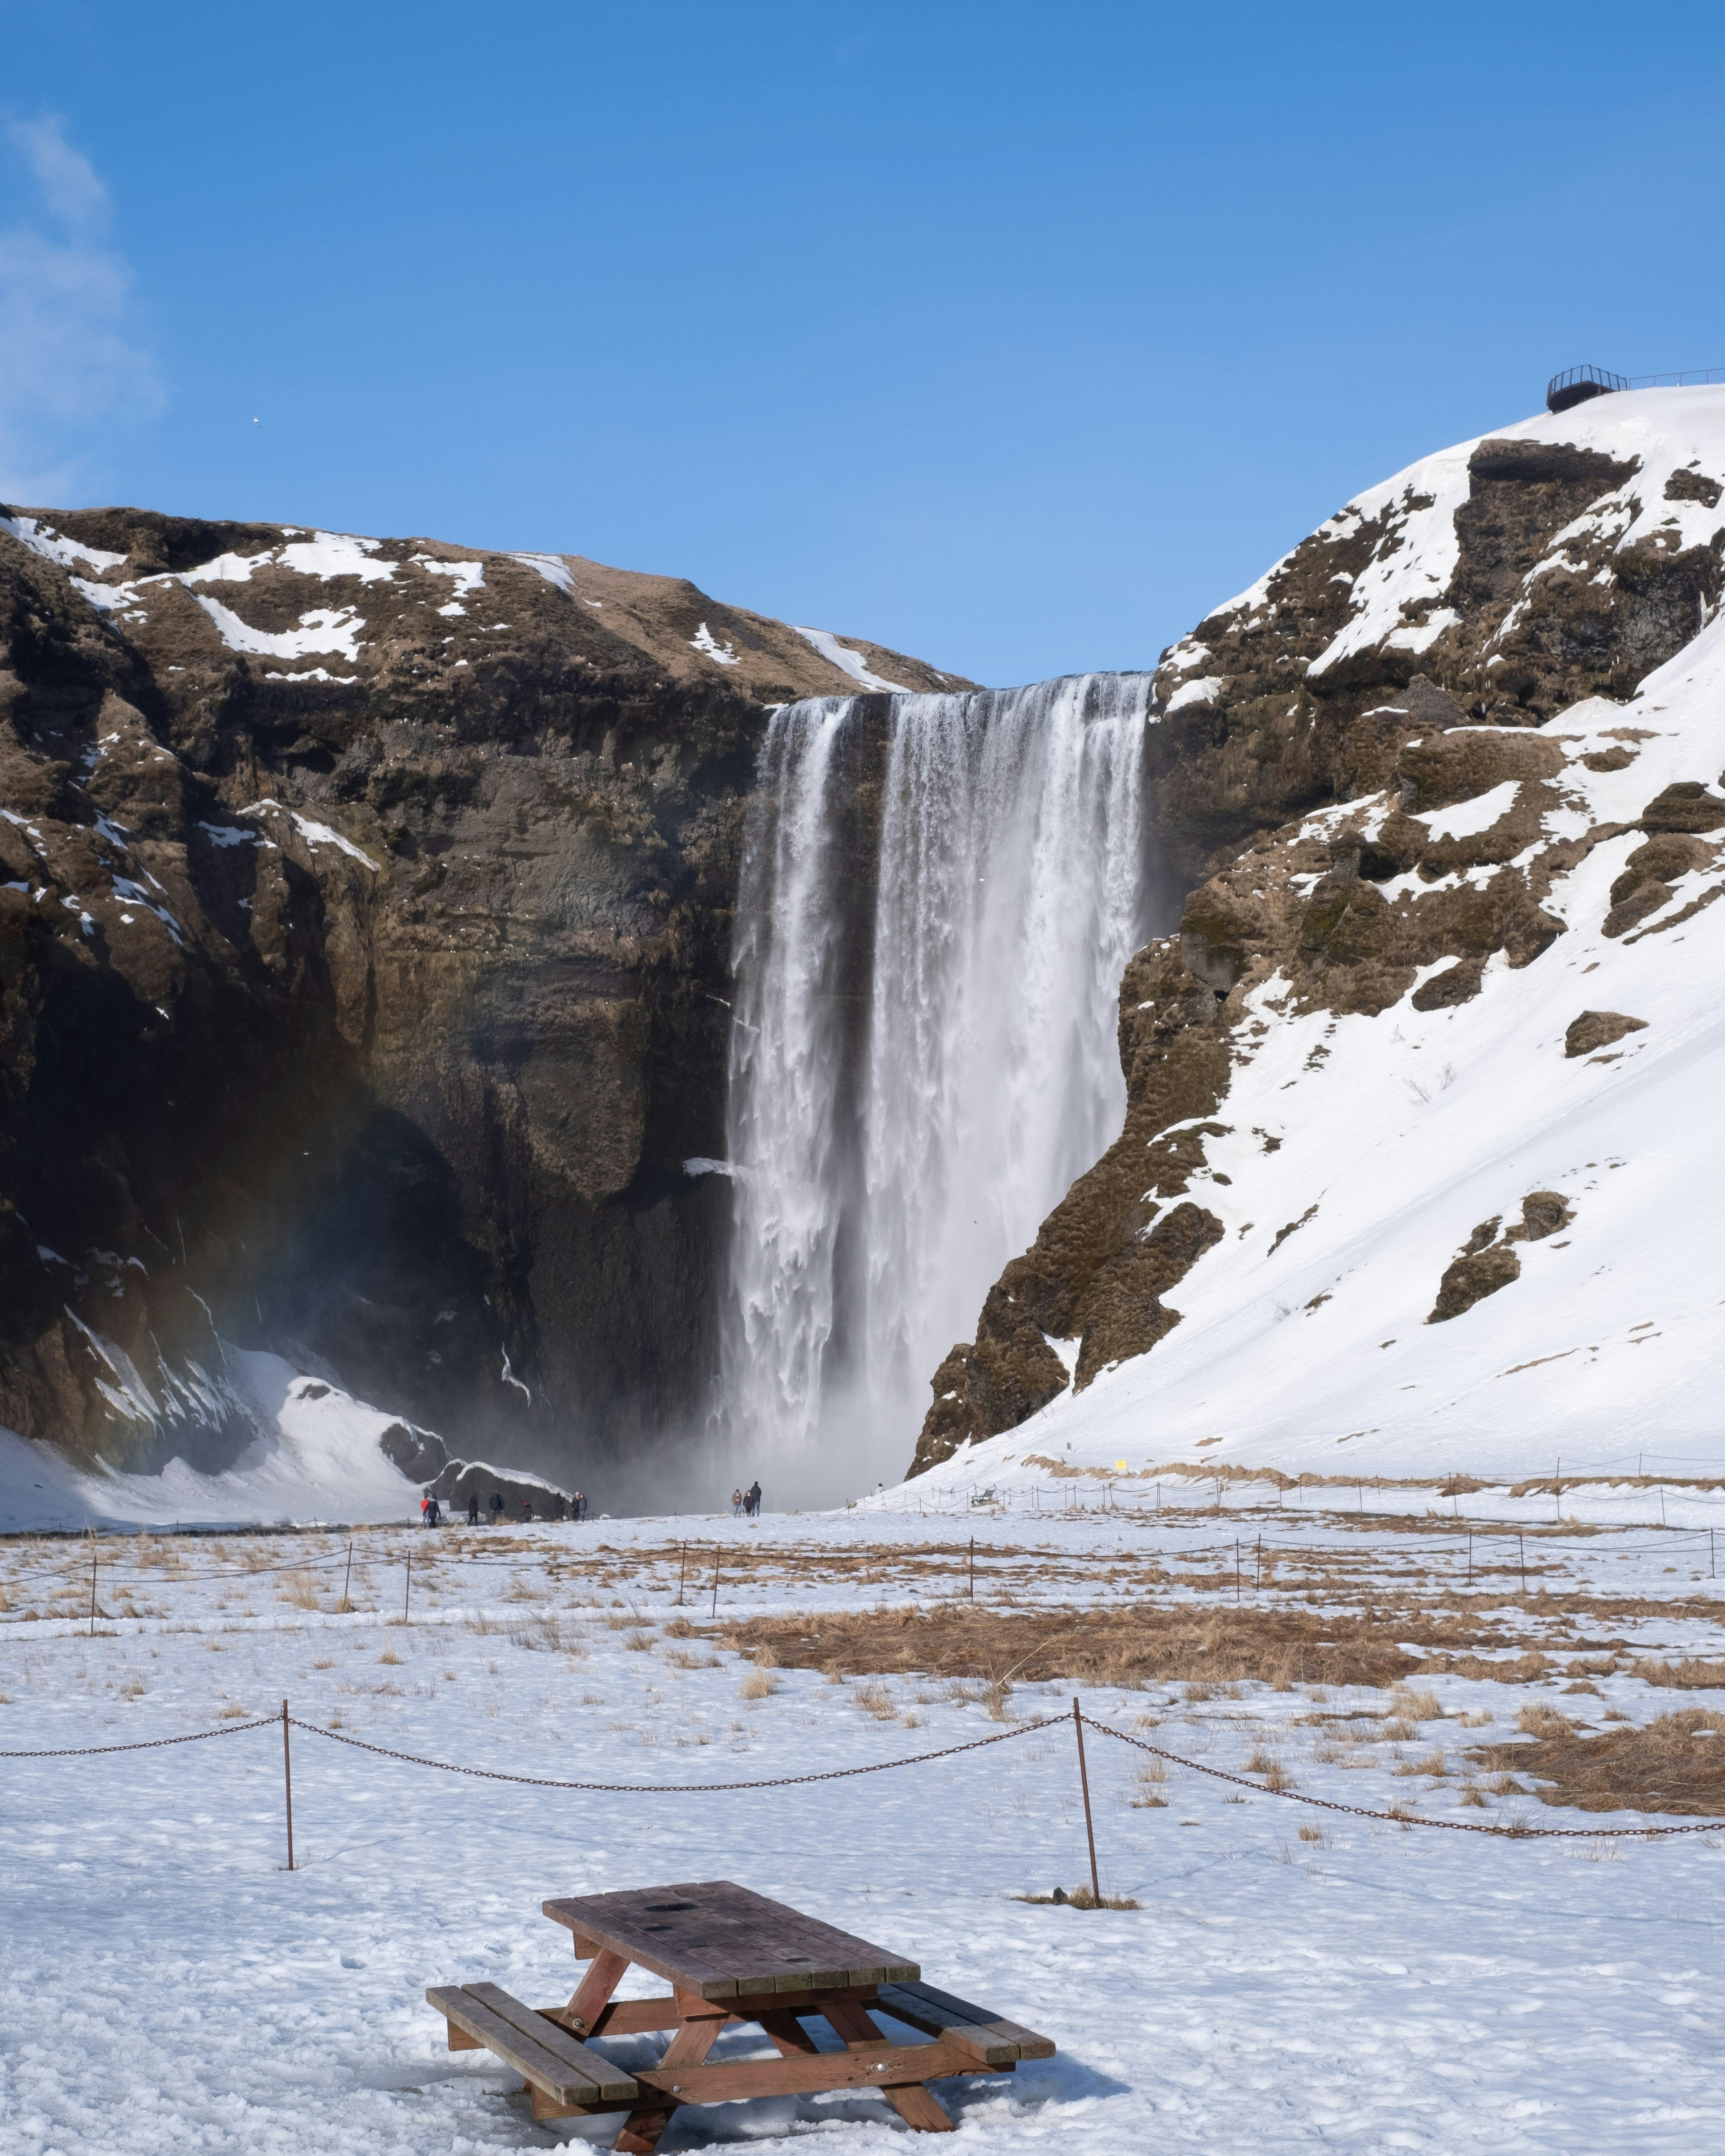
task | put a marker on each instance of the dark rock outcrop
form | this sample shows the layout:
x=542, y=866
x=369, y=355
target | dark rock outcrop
x=1285, y=727
x=1470, y=1279
x=463, y=1480
x=363, y=960
x=1597, y=1029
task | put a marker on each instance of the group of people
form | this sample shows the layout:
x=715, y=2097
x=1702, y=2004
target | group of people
x=556, y=1507
x=746, y=1503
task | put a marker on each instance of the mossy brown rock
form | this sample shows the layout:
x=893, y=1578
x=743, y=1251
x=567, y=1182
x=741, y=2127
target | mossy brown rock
x=1597, y=1029
x=1469, y=1279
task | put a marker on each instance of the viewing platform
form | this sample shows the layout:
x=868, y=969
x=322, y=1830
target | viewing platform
x=1576, y=384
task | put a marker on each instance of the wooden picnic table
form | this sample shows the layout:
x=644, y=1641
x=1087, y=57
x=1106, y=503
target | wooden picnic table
x=730, y=1956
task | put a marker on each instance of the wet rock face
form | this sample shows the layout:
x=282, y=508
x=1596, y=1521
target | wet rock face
x=363, y=953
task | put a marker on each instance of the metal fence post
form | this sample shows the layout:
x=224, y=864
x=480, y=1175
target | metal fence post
x=287, y=1783
x=1090, y=1831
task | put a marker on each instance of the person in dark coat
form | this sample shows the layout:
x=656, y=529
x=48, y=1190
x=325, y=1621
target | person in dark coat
x=754, y=1499
x=473, y=1509
x=496, y=1506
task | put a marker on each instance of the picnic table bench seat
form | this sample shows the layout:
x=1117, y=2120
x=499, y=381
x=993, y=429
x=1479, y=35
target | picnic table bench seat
x=484, y=2016
x=731, y=1956
x=989, y=2037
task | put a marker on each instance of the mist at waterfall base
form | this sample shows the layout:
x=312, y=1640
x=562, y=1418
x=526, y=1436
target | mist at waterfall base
x=938, y=896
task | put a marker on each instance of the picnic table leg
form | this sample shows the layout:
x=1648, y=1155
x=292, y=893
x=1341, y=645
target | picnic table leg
x=645, y=2124
x=790, y=2039
x=912, y=2102
x=593, y=1993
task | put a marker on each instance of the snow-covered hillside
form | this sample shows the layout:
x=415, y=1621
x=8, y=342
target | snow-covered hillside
x=1448, y=1189
x=317, y=1456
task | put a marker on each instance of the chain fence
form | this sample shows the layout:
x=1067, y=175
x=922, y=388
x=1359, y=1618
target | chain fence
x=1515, y=1830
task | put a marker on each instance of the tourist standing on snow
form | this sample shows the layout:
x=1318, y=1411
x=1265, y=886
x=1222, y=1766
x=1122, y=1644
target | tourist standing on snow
x=473, y=1509
x=434, y=1515
x=735, y=1504
x=496, y=1507
x=754, y=1499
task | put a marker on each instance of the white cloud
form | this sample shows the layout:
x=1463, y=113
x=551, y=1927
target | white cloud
x=66, y=319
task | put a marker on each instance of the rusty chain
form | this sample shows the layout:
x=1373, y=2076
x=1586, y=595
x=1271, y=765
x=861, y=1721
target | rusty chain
x=674, y=1789
x=148, y=1743
x=1513, y=1833
x=1517, y=1833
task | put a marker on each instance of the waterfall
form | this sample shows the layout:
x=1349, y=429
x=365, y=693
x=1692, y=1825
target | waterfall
x=938, y=896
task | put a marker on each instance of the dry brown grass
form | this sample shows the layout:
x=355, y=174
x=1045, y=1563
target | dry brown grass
x=1674, y=1764
x=1692, y=1674
x=390, y=1655
x=1542, y=1720
x=1081, y=1898
x=1213, y=1649
x=758, y=1684
x=1148, y=1793
x=300, y=1588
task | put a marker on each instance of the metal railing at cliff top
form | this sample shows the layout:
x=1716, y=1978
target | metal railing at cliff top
x=1576, y=384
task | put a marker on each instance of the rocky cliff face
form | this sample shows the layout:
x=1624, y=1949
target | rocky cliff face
x=363, y=951
x=1384, y=769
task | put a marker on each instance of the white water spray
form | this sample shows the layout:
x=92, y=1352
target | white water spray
x=920, y=1069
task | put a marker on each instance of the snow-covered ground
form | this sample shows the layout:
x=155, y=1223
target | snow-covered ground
x=168, y=1985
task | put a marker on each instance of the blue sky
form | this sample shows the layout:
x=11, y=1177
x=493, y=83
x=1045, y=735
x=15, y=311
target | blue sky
x=1015, y=336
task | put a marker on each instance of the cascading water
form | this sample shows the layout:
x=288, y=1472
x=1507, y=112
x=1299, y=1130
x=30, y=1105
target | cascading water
x=936, y=905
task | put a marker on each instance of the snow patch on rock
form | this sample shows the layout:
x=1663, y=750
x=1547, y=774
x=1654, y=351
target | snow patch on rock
x=847, y=661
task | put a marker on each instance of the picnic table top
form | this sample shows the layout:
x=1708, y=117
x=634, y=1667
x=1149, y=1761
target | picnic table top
x=721, y=1941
